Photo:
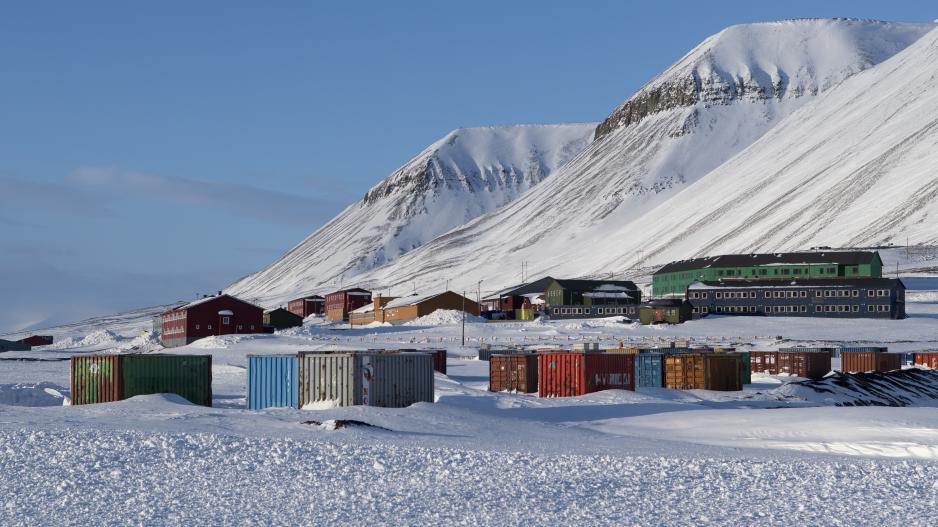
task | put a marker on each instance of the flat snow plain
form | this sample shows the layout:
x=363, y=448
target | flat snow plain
x=651, y=457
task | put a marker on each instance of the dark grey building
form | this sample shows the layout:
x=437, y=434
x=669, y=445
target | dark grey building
x=835, y=298
x=580, y=311
x=9, y=345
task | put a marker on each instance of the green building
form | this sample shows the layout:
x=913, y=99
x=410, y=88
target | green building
x=673, y=278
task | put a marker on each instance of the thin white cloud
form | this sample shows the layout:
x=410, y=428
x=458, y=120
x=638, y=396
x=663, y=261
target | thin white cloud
x=272, y=206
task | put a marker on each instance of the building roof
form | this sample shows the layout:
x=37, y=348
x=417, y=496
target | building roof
x=748, y=260
x=809, y=282
x=209, y=299
x=664, y=302
x=537, y=286
x=270, y=311
x=352, y=291
x=417, y=299
x=310, y=297
x=367, y=308
x=597, y=285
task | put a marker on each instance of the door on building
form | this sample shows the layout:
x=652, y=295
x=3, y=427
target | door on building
x=225, y=322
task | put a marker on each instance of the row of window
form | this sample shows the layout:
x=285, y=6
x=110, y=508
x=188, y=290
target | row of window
x=855, y=308
x=825, y=293
x=174, y=330
x=599, y=310
x=174, y=315
x=763, y=271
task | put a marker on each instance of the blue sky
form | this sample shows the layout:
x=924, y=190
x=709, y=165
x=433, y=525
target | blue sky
x=153, y=151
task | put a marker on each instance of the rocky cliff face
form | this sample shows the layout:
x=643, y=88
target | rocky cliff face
x=467, y=173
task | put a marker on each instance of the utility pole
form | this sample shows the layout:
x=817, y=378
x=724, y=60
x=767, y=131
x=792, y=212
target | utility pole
x=464, y=318
x=479, y=292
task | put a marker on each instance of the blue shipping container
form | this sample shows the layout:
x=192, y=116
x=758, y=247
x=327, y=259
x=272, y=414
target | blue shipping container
x=649, y=370
x=272, y=381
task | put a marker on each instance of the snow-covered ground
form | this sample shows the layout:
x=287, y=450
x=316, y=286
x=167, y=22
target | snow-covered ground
x=773, y=454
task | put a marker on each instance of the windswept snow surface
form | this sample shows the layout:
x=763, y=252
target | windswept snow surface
x=774, y=454
x=469, y=172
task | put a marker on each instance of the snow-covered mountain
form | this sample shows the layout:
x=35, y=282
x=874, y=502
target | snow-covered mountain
x=710, y=106
x=467, y=173
x=645, y=190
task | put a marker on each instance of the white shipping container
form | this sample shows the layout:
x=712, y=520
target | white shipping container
x=373, y=379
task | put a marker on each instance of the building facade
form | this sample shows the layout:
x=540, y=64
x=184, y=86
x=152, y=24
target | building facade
x=833, y=298
x=340, y=303
x=407, y=308
x=528, y=297
x=592, y=293
x=665, y=311
x=213, y=315
x=673, y=278
x=307, y=305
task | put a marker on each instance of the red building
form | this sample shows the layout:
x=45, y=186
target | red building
x=308, y=305
x=37, y=340
x=214, y=315
x=339, y=304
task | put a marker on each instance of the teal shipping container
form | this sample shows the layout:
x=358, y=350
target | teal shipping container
x=649, y=370
x=273, y=381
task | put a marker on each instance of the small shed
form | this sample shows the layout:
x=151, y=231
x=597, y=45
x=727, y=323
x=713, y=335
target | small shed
x=665, y=311
x=9, y=345
x=281, y=318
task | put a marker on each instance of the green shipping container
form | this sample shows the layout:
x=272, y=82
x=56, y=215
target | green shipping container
x=747, y=367
x=189, y=376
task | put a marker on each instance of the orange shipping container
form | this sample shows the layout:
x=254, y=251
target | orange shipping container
x=515, y=372
x=703, y=371
x=929, y=359
x=863, y=361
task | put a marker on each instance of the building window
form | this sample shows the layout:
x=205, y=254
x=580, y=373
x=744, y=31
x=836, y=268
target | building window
x=767, y=294
x=817, y=309
x=226, y=320
x=856, y=293
x=871, y=293
x=856, y=308
x=556, y=310
x=703, y=295
x=804, y=309
x=209, y=326
x=196, y=326
x=599, y=311
x=239, y=327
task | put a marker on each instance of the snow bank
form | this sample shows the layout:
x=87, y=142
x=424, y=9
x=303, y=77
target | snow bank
x=40, y=394
x=445, y=317
x=912, y=387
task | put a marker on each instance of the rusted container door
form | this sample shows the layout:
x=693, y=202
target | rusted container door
x=685, y=371
x=560, y=374
x=814, y=365
x=864, y=361
x=516, y=372
x=439, y=360
x=609, y=372
x=723, y=372
x=96, y=379
x=929, y=360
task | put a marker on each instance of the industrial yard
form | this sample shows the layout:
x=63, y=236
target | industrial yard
x=647, y=456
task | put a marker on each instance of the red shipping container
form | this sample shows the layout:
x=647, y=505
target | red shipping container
x=929, y=359
x=764, y=362
x=572, y=374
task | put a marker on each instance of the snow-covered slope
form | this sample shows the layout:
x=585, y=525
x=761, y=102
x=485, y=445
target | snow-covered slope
x=598, y=213
x=467, y=173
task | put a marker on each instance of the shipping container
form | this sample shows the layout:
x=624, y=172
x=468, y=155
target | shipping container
x=746, y=360
x=864, y=361
x=486, y=352
x=189, y=376
x=928, y=358
x=515, y=372
x=273, y=381
x=703, y=371
x=571, y=374
x=96, y=379
x=764, y=362
x=107, y=378
x=809, y=364
x=835, y=352
x=439, y=360
x=649, y=370
x=586, y=346
x=391, y=380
